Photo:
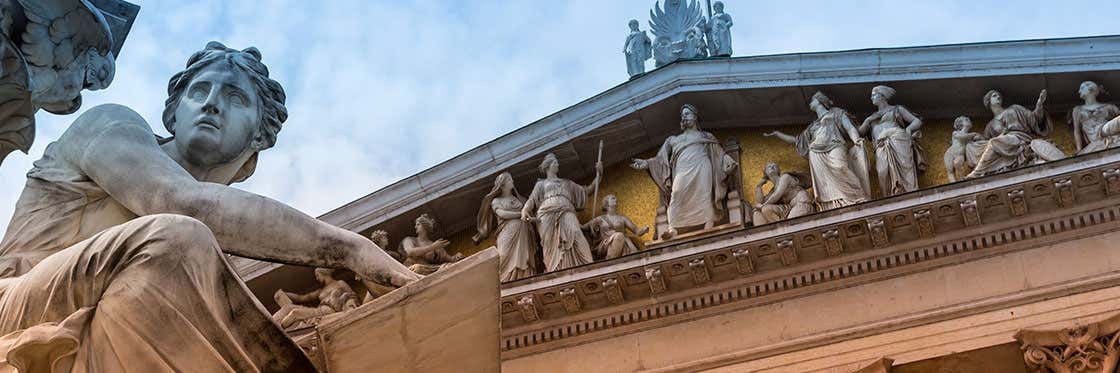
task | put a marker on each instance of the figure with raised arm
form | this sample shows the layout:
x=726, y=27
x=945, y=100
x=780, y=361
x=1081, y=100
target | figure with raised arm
x=614, y=234
x=1088, y=120
x=116, y=249
x=894, y=130
x=302, y=310
x=788, y=197
x=553, y=205
x=516, y=240
x=1013, y=137
x=423, y=254
x=690, y=171
x=834, y=148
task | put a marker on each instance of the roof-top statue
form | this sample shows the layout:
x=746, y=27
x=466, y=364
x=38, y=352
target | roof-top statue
x=51, y=50
x=671, y=24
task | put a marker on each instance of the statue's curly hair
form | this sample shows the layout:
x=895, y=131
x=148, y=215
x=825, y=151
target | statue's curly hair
x=428, y=222
x=273, y=113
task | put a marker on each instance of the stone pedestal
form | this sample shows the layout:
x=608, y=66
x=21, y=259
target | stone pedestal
x=446, y=322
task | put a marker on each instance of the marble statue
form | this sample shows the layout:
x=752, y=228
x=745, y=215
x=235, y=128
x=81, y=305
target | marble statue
x=1089, y=130
x=719, y=40
x=638, y=49
x=894, y=130
x=553, y=204
x=835, y=150
x=62, y=48
x=423, y=254
x=788, y=197
x=1013, y=137
x=964, y=150
x=675, y=35
x=516, y=240
x=335, y=296
x=614, y=234
x=381, y=238
x=690, y=171
x=117, y=245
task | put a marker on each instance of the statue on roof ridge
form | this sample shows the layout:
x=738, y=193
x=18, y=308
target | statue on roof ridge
x=674, y=27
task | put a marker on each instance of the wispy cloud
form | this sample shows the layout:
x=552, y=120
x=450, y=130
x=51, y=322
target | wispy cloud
x=380, y=90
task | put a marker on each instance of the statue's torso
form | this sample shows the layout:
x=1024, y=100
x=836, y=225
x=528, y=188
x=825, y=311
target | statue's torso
x=1092, y=118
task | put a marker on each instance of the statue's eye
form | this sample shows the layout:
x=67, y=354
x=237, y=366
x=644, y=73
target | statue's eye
x=198, y=93
x=238, y=99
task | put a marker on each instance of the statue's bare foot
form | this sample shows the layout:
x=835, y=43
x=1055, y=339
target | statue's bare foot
x=668, y=234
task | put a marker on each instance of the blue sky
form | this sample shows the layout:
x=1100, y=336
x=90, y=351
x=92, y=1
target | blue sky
x=378, y=90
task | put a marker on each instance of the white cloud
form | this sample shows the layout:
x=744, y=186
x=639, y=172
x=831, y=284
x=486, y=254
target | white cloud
x=380, y=90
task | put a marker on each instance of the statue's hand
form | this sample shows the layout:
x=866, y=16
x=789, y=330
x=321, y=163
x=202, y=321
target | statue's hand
x=770, y=134
x=643, y=231
x=1041, y=98
x=639, y=164
x=442, y=243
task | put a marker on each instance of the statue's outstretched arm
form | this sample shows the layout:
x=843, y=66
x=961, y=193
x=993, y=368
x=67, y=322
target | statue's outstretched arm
x=126, y=162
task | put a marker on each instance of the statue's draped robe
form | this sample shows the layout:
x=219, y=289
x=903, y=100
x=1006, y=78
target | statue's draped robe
x=689, y=173
x=1090, y=124
x=721, y=35
x=637, y=52
x=897, y=156
x=1012, y=143
x=839, y=171
x=562, y=240
x=80, y=289
x=516, y=242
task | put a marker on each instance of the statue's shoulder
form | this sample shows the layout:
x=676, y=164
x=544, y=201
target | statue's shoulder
x=107, y=116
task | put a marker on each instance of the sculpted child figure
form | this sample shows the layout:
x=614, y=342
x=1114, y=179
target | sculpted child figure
x=381, y=238
x=964, y=149
x=423, y=254
x=787, y=199
x=334, y=296
x=115, y=253
x=612, y=231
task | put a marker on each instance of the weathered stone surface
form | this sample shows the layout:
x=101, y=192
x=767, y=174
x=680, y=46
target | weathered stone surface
x=446, y=322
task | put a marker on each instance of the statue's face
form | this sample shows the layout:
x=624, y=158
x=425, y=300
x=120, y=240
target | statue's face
x=688, y=118
x=1088, y=89
x=611, y=202
x=877, y=97
x=217, y=117
x=633, y=25
x=814, y=104
x=322, y=277
x=507, y=186
x=718, y=6
x=771, y=169
x=997, y=99
x=962, y=124
x=420, y=229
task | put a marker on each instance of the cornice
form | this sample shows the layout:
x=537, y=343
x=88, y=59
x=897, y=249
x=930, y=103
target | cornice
x=951, y=224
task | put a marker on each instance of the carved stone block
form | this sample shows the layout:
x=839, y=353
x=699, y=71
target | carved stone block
x=743, y=260
x=832, y=242
x=570, y=300
x=970, y=210
x=656, y=280
x=1063, y=191
x=878, y=229
x=1088, y=348
x=1111, y=181
x=699, y=271
x=528, y=308
x=924, y=220
x=1018, y=202
x=613, y=291
x=787, y=251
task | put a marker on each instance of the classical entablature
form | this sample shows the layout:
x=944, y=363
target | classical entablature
x=960, y=231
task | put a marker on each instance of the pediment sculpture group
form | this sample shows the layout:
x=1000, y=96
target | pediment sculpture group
x=694, y=174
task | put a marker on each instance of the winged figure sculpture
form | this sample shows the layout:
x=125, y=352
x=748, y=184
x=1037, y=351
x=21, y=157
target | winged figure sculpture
x=51, y=51
x=677, y=31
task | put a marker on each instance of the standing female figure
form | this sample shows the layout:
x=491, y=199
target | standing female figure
x=835, y=152
x=1088, y=119
x=516, y=241
x=610, y=231
x=553, y=205
x=898, y=157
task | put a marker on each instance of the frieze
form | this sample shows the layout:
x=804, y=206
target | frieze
x=950, y=219
x=528, y=308
x=570, y=300
x=1063, y=191
x=614, y=293
x=1111, y=181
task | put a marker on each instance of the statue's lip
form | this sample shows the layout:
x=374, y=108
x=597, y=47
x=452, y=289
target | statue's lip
x=208, y=122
